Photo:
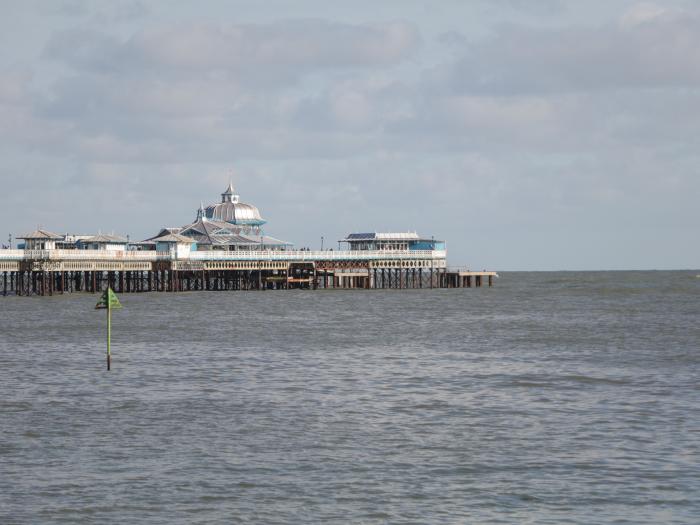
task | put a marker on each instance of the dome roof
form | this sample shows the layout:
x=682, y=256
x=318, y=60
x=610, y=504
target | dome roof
x=232, y=210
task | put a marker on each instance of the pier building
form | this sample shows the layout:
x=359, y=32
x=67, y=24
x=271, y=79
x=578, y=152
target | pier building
x=230, y=225
x=102, y=242
x=225, y=248
x=75, y=242
x=391, y=241
x=232, y=210
x=40, y=240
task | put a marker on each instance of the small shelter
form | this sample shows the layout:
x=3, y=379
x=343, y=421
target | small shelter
x=178, y=245
x=40, y=240
x=103, y=242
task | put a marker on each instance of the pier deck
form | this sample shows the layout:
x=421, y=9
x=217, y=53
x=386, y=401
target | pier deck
x=45, y=272
x=460, y=278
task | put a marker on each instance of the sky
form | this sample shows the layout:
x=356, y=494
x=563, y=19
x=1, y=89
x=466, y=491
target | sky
x=548, y=135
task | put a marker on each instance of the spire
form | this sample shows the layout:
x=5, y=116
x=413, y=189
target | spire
x=201, y=214
x=230, y=194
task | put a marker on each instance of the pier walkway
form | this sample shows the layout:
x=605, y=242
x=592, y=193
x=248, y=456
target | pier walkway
x=46, y=272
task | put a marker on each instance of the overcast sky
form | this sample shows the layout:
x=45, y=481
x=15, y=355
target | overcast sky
x=528, y=134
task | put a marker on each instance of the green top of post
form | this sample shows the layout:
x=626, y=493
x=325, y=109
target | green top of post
x=108, y=300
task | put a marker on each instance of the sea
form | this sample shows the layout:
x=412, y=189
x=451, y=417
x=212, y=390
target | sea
x=553, y=397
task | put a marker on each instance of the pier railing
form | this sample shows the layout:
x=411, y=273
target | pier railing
x=12, y=255
x=84, y=255
x=327, y=255
x=222, y=255
x=465, y=270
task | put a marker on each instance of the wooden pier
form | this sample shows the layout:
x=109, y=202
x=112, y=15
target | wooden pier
x=49, y=272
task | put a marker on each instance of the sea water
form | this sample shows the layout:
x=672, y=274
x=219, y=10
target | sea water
x=550, y=398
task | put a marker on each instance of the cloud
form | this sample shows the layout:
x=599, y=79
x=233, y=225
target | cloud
x=101, y=11
x=649, y=48
x=249, y=53
x=321, y=88
x=643, y=13
x=202, y=90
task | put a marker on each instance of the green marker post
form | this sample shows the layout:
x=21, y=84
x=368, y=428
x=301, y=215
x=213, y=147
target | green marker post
x=108, y=301
x=109, y=338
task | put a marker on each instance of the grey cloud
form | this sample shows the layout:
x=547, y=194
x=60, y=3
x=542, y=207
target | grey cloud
x=194, y=91
x=249, y=52
x=146, y=116
x=528, y=7
x=71, y=8
x=85, y=49
x=14, y=87
x=659, y=50
x=309, y=43
x=101, y=10
x=363, y=104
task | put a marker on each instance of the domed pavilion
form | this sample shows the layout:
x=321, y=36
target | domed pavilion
x=233, y=211
x=227, y=225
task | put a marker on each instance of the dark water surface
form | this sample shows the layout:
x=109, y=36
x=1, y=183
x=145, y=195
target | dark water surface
x=551, y=398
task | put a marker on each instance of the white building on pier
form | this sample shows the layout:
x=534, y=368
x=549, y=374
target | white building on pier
x=229, y=225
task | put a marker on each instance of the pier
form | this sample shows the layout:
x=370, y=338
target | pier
x=225, y=248
x=56, y=271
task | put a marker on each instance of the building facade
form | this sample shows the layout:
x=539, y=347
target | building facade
x=230, y=225
x=391, y=241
